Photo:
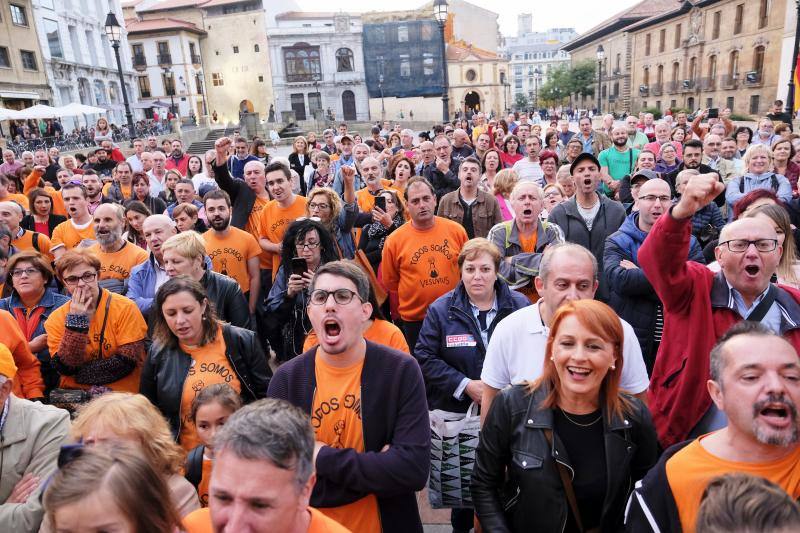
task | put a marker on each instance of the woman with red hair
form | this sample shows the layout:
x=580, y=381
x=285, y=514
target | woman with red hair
x=575, y=412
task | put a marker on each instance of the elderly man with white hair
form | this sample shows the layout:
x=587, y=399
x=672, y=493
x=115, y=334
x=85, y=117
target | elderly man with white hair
x=11, y=214
x=10, y=164
x=522, y=239
x=147, y=277
x=406, y=141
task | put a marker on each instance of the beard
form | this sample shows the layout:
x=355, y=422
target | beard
x=219, y=224
x=771, y=436
x=107, y=240
x=620, y=142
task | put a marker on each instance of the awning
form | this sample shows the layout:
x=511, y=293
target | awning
x=19, y=95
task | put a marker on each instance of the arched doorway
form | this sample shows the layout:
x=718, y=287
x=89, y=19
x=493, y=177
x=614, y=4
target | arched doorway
x=472, y=103
x=349, y=105
x=246, y=106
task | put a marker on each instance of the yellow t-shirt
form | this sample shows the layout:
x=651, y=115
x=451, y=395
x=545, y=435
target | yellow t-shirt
x=118, y=265
x=422, y=265
x=690, y=470
x=336, y=419
x=71, y=236
x=124, y=326
x=25, y=242
x=229, y=254
x=199, y=521
x=276, y=219
x=380, y=332
x=209, y=366
x=253, y=227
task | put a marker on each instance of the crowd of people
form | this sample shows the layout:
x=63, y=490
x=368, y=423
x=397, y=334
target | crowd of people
x=235, y=341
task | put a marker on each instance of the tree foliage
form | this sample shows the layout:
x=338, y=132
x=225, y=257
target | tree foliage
x=578, y=79
x=520, y=101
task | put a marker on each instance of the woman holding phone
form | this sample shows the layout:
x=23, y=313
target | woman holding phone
x=306, y=245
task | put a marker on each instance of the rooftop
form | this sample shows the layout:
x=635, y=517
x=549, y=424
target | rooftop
x=640, y=11
x=160, y=25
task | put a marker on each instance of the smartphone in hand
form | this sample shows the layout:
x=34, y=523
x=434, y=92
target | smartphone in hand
x=380, y=203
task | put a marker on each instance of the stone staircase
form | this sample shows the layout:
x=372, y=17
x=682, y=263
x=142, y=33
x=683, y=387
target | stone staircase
x=201, y=147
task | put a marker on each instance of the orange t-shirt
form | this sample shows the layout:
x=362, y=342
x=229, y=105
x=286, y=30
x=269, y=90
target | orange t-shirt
x=276, y=219
x=21, y=199
x=365, y=200
x=28, y=383
x=209, y=366
x=529, y=246
x=229, y=254
x=118, y=265
x=25, y=242
x=253, y=227
x=199, y=521
x=422, y=265
x=70, y=236
x=336, y=419
x=380, y=331
x=127, y=190
x=125, y=325
x=690, y=470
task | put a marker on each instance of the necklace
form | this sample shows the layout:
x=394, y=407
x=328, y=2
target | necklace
x=593, y=422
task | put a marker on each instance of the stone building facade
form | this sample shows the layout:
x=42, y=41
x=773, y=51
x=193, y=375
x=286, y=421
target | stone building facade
x=711, y=54
x=23, y=80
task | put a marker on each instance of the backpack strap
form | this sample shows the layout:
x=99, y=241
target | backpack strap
x=194, y=466
x=35, y=241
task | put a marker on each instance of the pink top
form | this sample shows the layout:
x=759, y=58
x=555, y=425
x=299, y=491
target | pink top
x=505, y=207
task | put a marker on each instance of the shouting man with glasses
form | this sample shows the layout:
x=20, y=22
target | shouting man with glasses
x=630, y=294
x=700, y=306
x=367, y=406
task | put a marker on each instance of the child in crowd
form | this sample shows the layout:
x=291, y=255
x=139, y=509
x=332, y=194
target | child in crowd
x=211, y=408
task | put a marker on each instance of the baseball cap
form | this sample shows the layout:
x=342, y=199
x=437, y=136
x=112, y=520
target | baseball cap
x=347, y=137
x=584, y=156
x=644, y=175
x=7, y=366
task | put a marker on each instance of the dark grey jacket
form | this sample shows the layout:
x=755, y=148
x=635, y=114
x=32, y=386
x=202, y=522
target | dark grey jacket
x=608, y=220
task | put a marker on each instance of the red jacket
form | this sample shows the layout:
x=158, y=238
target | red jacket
x=698, y=309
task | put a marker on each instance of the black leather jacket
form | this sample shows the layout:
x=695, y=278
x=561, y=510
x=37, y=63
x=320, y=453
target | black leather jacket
x=228, y=299
x=165, y=371
x=531, y=497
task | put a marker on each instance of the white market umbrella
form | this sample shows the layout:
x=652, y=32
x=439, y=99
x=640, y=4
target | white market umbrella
x=9, y=114
x=39, y=111
x=74, y=109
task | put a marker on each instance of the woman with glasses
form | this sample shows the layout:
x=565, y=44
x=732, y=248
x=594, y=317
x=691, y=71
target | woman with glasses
x=192, y=349
x=306, y=246
x=603, y=437
x=548, y=160
x=337, y=217
x=185, y=255
x=552, y=195
x=97, y=339
x=32, y=301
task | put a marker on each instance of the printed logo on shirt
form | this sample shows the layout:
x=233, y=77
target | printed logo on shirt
x=456, y=341
x=331, y=406
x=434, y=273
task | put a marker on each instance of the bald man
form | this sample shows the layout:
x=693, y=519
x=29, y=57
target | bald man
x=699, y=306
x=631, y=294
x=147, y=277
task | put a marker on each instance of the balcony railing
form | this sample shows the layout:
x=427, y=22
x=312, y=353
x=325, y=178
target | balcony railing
x=686, y=86
x=708, y=83
x=729, y=81
x=139, y=61
x=644, y=90
x=145, y=94
x=656, y=89
x=196, y=59
x=672, y=87
x=164, y=59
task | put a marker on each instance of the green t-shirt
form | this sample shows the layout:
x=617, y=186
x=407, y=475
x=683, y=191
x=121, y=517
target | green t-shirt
x=619, y=164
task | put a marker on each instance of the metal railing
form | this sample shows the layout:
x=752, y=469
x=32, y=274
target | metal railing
x=164, y=59
x=729, y=81
x=708, y=83
x=139, y=60
x=656, y=89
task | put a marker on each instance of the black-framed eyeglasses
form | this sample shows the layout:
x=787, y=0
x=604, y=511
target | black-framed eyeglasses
x=19, y=272
x=340, y=296
x=86, y=277
x=313, y=205
x=302, y=246
x=738, y=246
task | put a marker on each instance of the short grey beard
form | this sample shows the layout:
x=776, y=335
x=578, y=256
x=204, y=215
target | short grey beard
x=110, y=240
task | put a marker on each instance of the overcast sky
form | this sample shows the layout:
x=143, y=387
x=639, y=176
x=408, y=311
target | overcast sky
x=580, y=14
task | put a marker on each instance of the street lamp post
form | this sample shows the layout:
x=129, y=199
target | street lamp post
x=790, y=96
x=170, y=88
x=383, y=107
x=537, y=76
x=440, y=14
x=601, y=55
x=114, y=34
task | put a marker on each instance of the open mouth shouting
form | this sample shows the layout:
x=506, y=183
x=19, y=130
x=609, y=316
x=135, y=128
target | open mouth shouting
x=777, y=414
x=332, y=330
x=527, y=212
x=752, y=271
